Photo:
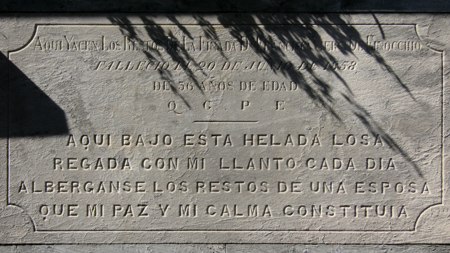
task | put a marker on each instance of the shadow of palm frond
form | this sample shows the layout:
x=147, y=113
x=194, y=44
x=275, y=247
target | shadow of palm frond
x=260, y=32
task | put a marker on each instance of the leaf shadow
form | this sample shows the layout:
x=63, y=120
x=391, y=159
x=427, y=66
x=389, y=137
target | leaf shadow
x=259, y=32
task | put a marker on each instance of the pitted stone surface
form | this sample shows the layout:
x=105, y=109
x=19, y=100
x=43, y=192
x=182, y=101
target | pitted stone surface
x=162, y=248
x=226, y=129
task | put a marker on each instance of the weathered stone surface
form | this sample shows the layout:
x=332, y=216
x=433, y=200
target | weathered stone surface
x=266, y=248
x=155, y=248
x=335, y=248
x=225, y=129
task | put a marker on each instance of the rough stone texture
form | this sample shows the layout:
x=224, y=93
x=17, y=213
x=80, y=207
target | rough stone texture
x=155, y=248
x=250, y=248
x=335, y=248
x=394, y=94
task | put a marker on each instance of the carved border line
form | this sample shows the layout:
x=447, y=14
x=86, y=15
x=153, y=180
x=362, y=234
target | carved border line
x=441, y=52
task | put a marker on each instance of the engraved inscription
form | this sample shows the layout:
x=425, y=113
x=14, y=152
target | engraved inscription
x=231, y=128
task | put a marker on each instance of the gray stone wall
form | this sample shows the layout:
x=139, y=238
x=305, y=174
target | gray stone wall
x=185, y=6
x=228, y=248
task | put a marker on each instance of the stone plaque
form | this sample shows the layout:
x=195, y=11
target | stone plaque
x=226, y=128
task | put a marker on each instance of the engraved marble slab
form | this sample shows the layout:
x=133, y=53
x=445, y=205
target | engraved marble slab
x=226, y=129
